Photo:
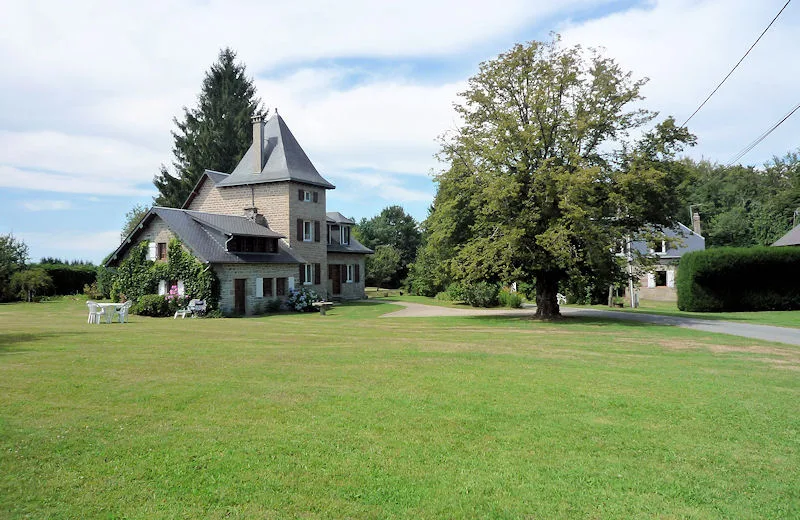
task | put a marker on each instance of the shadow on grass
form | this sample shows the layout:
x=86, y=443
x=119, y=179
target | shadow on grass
x=9, y=340
x=564, y=321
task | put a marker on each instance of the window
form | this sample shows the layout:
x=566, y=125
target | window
x=306, y=196
x=350, y=273
x=345, y=235
x=659, y=247
x=661, y=278
x=267, y=287
x=308, y=231
x=309, y=274
x=253, y=245
x=330, y=234
x=161, y=251
x=280, y=286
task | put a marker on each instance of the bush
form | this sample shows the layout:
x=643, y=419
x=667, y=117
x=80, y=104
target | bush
x=151, y=305
x=739, y=279
x=92, y=292
x=273, y=305
x=510, y=299
x=70, y=279
x=481, y=294
x=302, y=300
x=456, y=292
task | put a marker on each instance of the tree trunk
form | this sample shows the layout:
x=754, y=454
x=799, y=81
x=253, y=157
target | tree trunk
x=546, y=296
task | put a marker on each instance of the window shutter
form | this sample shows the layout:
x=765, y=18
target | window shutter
x=316, y=231
x=358, y=273
x=290, y=281
x=302, y=276
x=259, y=287
x=317, y=273
x=300, y=229
x=316, y=196
x=343, y=275
x=299, y=194
x=162, y=287
x=151, y=251
x=181, y=288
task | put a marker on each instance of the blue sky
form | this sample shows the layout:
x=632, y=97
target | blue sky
x=88, y=93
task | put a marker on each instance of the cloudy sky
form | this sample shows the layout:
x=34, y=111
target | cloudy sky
x=89, y=90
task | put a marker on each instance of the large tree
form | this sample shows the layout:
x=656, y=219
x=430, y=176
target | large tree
x=391, y=227
x=542, y=177
x=13, y=257
x=214, y=135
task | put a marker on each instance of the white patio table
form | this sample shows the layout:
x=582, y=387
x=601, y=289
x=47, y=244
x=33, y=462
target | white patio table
x=109, y=309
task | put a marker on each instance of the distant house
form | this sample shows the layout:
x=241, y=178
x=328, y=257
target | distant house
x=264, y=228
x=659, y=282
x=792, y=238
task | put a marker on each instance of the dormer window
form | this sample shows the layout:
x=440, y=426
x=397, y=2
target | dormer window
x=659, y=247
x=345, y=235
x=238, y=244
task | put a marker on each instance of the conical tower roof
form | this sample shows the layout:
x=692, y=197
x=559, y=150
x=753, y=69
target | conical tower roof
x=283, y=159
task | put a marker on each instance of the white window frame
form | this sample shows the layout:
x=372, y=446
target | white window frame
x=307, y=197
x=308, y=226
x=309, y=269
x=350, y=273
x=151, y=251
x=342, y=235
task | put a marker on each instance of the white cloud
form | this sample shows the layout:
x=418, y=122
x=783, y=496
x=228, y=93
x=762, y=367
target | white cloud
x=686, y=47
x=47, y=205
x=385, y=187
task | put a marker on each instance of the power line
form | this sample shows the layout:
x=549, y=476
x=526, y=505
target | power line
x=762, y=136
x=737, y=64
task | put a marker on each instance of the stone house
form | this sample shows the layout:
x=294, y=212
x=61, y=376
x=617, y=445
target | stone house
x=264, y=228
x=658, y=283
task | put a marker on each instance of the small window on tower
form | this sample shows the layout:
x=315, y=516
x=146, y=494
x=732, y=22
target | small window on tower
x=307, y=196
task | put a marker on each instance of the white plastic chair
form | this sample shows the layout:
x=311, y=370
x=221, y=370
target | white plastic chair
x=95, y=311
x=123, y=311
x=194, y=308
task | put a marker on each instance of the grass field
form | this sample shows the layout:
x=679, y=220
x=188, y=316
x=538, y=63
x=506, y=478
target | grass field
x=355, y=416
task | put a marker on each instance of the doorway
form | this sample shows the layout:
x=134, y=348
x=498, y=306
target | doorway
x=238, y=296
x=335, y=274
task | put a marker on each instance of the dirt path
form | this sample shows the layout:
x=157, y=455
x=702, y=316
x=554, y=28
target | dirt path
x=746, y=330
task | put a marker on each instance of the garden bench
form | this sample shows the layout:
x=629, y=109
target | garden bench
x=322, y=306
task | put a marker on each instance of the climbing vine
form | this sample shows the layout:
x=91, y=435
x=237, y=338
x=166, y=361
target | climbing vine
x=137, y=276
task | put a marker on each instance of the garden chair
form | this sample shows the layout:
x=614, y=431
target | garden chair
x=195, y=307
x=123, y=311
x=95, y=311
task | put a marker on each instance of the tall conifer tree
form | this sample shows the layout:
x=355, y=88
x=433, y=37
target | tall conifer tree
x=215, y=134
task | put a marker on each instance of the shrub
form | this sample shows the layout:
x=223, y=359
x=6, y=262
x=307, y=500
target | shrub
x=69, y=279
x=151, y=305
x=92, y=292
x=456, y=292
x=273, y=305
x=510, y=299
x=444, y=296
x=481, y=294
x=302, y=300
x=739, y=279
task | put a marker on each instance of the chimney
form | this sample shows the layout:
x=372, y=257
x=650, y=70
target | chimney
x=258, y=141
x=696, y=223
x=255, y=216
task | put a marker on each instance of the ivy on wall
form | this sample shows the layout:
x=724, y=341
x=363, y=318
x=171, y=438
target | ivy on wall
x=137, y=276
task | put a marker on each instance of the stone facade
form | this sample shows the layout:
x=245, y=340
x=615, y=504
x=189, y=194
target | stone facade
x=228, y=273
x=349, y=290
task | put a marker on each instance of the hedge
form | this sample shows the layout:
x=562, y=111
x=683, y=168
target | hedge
x=69, y=279
x=739, y=279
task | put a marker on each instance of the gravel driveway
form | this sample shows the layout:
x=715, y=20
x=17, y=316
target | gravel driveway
x=762, y=332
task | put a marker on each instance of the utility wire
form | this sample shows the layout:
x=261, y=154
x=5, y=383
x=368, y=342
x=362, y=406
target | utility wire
x=737, y=64
x=762, y=136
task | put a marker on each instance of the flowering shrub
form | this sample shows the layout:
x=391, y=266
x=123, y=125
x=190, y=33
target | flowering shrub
x=302, y=300
x=175, y=301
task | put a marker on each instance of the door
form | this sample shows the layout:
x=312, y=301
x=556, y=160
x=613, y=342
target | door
x=238, y=295
x=335, y=275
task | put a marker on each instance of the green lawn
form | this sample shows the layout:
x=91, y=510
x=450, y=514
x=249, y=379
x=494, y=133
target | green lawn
x=355, y=416
x=778, y=318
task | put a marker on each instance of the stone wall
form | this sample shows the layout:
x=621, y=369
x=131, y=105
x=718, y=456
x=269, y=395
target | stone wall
x=350, y=291
x=227, y=273
x=312, y=252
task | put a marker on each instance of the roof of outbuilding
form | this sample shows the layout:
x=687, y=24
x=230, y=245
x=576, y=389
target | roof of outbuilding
x=205, y=234
x=792, y=238
x=338, y=218
x=354, y=247
x=283, y=160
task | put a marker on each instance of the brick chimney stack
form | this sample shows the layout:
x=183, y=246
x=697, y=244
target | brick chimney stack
x=258, y=141
x=696, y=223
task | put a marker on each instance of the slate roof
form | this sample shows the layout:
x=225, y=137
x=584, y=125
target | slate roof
x=335, y=217
x=792, y=238
x=205, y=234
x=688, y=241
x=283, y=160
x=354, y=247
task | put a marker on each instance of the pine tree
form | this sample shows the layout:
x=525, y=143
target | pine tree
x=214, y=135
